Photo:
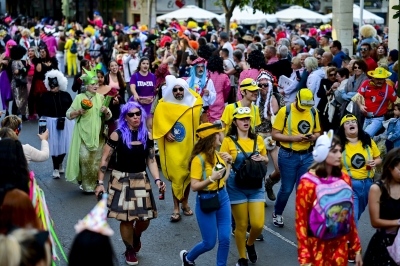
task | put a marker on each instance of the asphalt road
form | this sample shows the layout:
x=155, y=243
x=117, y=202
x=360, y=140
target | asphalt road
x=163, y=240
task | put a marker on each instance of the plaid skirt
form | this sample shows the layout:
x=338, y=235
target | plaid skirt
x=130, y=197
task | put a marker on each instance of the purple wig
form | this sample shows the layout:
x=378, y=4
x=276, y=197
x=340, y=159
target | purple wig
x=124, y=128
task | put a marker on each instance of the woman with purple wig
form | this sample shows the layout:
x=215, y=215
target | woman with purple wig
x=129, y=183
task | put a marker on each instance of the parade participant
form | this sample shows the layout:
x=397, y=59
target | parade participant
x=327, y=246
x=52, y=107
x=249, y=92
x=269, y=106
x=87, y=138
x=296, y=126
x=175, y=134
x=384, y=212
x=18, y=81
x=373, y=97
x=210, y=183
x=200, y=82
x=131, y=62
x=114, y=78
x=360, y=157
x=92, y=244
x=246, y=201
x=134, y=152
x=71, y=46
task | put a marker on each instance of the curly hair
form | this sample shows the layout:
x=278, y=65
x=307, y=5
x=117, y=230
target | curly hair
x=62, y=80
x=205, y=52
x=215, y=64
x=256, y=59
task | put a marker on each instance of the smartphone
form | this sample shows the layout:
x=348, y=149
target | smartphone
x=42, y=126
x=298, y=74
x=308, y=135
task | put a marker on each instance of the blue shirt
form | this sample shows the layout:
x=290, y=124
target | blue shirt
x=338, y=59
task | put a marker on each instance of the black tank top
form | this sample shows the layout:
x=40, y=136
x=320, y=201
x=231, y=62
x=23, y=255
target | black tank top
x=389, y=208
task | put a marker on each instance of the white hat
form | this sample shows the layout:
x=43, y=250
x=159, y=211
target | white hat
x=322, y=146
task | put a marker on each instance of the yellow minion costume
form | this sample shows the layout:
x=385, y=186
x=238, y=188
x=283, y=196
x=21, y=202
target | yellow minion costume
x=182, y=118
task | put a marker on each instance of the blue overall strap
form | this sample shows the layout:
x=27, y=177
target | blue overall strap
x=203, y=168
x=255, y=118
x=345, y=164
x=369, y=158
x=289, y=124
x=383, y=101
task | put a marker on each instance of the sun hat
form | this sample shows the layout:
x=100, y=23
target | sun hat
x=242, y=112
x=305, y=99
x=347, y=118
x=207, y=129
x=322, y=146
x=248, y=84
x=379, y=73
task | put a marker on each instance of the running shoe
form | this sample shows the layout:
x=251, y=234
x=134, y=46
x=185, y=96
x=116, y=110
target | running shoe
x=251, y=253
x=56, y=174
x=183, y=255
x=277, y=220
x=242, y=262
x=130, y=257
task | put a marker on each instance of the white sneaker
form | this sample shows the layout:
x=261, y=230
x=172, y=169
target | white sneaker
x=56, y=174
x=61, y=169
x=277, y=220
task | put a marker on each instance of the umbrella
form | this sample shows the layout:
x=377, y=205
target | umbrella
x=186, y=12
x=245, y=16
x=298, y=12
x=368, y=17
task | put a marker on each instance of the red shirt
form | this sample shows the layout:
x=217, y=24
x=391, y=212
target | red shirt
x=371, y=63
x=374, y=96
x=280, y=35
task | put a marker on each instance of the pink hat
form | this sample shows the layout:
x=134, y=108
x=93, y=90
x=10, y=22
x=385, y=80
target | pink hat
x=313, y=32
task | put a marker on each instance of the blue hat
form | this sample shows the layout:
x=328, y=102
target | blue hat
x=96, y=13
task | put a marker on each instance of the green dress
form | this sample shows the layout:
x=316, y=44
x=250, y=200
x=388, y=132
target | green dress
x=87, y=143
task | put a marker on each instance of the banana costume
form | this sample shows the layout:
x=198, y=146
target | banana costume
x=183, y=118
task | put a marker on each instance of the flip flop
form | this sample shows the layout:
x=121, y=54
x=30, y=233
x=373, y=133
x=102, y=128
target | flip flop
x=187, y=211
x=175, y=217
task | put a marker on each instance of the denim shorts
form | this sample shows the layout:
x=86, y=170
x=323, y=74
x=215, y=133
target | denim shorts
x=241, y=195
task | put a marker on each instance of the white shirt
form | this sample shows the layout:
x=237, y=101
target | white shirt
x=228, y=65
x=210, y=98
x=228, y=46
x=313, y=82
x=130, y=66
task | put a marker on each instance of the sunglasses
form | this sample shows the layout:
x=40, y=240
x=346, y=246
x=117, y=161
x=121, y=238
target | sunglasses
x=138, y=113
x=176, y=89
x=319, y=58
x=331, y=75
x=260, y=85
x=356, y=67
x=364, y=49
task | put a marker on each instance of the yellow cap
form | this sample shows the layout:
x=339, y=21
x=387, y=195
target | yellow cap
x=242, y=112
x=347, y=118
x=379, y=73
x=249, y=84
x=305, y=99
x=207, y=129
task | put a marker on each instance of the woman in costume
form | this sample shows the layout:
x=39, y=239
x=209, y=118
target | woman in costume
x=18, y=81
x=114, y=79
x=53, y=106
x=5, y=76
x=134, y=149
x=326, y=246
x=87, y=139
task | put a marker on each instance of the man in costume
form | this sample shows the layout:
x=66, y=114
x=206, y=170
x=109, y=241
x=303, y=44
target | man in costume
x=176, y=119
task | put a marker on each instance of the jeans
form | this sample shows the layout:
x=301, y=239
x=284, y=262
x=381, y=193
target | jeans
x=372, y=125
x=211, y=224
x=292, y=166
x=360, y=194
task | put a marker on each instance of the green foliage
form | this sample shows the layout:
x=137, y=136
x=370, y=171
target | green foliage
x=266, y=6
x=397, y=15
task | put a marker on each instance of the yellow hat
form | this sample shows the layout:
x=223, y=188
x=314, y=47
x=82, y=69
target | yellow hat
x=347, y=118
x=242, y=112
x=249, y=84
x=207, y=129
x=305, y=99
x=379, y=73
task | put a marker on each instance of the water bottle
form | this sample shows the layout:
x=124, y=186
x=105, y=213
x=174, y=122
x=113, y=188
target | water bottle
x=161, y=192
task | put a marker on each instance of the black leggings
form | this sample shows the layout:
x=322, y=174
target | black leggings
x=57, y=160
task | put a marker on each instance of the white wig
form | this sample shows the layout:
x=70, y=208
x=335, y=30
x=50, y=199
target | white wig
x=62, y=81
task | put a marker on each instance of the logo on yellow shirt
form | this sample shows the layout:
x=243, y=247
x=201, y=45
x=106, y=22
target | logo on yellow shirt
x=304, y=126
x=179, y=132
x=357, y=161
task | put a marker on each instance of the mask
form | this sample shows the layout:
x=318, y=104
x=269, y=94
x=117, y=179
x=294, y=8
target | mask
x=53, y=82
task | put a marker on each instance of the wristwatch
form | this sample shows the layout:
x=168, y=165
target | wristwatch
x=99, y=183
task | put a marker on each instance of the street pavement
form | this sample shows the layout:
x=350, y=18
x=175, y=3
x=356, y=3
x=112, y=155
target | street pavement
x=163, y=240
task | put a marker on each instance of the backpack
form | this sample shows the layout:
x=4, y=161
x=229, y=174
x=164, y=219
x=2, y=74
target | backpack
x=73, y=49
x=332, y=209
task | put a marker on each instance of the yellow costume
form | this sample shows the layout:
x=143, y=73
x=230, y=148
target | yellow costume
x=183, y=121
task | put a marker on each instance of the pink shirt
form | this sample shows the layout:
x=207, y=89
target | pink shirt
x=249, y=73
x=222, y=86
x=51, y=45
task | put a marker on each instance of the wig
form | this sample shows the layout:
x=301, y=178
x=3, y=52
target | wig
x=205, y=51
x=203, y=79
x=10, y=42
x=62, y=81
x=264, y=74
x=256, y=59
x=17, y=52
x=368, y=31
x=215, y=64
x=124, y=128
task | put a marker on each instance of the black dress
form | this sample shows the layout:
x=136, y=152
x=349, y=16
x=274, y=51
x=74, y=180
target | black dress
x=130, y=195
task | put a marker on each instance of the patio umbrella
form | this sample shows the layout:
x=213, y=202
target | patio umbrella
x=297, y=12
x=186, y=12
x=245, y=16
x=368, y=17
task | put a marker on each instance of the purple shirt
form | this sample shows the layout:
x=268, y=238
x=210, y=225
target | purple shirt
x=144, y=86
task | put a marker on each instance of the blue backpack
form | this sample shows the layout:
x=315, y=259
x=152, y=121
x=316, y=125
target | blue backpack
x=73, y=49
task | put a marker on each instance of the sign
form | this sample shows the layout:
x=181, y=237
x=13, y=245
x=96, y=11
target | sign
x=210, y=5
x=136, y=5
x=172, y=5
x=284, y=83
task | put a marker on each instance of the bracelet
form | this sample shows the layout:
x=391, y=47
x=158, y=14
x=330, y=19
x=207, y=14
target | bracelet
x=155, y=181
x=358, y=252
x=212, y=181
x=97, y=185
x=229, y=162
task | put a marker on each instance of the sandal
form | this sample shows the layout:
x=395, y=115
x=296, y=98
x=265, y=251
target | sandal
x=187, y=211
x=175, y=217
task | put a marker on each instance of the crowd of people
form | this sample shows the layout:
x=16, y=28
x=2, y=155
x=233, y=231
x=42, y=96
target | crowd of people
x=210, y=107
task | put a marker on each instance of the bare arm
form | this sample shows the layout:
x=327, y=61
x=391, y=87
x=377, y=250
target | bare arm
x=198, y=185
x=374, y=207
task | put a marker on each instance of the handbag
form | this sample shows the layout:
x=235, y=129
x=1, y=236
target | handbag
x=250, y=174
x=60, y=123
x=211, y=204
x=394, y=250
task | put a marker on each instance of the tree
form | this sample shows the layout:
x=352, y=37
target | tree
x=397, y=16
x=266, y=6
